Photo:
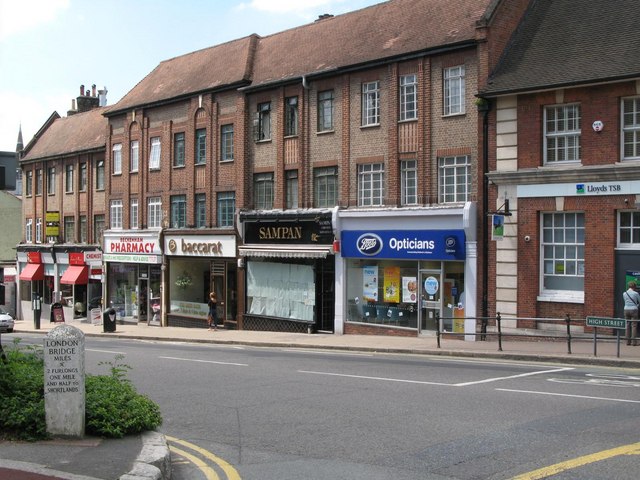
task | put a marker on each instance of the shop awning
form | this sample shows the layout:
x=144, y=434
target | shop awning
x=75, y=275
x=306, y=251
x=33, y=271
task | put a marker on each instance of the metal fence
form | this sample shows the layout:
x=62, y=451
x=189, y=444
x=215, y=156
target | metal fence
x=562, y=332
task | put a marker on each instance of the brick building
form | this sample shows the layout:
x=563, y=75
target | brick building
x=63, y=210
x=261, y=168
x=566, y=157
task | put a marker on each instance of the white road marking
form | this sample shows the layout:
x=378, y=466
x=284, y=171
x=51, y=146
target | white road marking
x=327, y=352
x=497, y=379
x=206, y=361
x=374, y=378
x=104, y=351
x=400, y=380
x=622, y=400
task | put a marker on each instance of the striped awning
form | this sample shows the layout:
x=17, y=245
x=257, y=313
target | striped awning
x=280, y=251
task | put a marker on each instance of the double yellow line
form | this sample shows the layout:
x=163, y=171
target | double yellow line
x=230, y=472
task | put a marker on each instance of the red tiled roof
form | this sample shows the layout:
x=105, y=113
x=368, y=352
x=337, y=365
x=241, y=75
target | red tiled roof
x=381, y=31
x=386, y=30
x=68, y=135
x=207, y=69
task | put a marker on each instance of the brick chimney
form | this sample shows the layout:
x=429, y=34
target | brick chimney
x=87, y=100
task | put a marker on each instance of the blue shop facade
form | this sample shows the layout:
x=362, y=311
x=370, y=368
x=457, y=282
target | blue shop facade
x=407, y=270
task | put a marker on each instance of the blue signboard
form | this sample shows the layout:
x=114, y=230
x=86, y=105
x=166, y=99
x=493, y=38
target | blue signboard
x=406, y=244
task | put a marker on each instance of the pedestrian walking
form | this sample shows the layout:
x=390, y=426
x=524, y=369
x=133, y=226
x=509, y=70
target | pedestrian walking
x=631, y=304
x=212, y=317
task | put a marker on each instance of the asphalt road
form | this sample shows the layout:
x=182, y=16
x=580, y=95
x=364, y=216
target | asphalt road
x=266, y=413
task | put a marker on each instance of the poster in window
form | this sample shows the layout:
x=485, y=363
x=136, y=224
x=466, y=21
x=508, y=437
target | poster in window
x=370, y=283
x=392, y=284
x=409, y=289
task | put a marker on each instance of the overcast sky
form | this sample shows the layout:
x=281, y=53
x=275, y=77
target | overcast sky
x=48, y=48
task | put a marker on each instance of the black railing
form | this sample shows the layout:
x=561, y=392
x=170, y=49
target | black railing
x=482, y=332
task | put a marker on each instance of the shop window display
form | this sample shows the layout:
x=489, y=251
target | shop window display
x=189, y=285
x=389, y=292
x=284, y=290
x=123, y=280
x=382, y=292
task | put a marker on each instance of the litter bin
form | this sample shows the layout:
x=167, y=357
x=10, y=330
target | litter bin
x=36, y=305
x=109, y=320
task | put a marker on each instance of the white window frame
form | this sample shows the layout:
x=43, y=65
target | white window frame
x=134, y=155
x=565, y=135
x=134, y=214
x=154, y=212
x=371, y=104
x=154, y=153
x=562, y=247
x=630, y=121
x=115, y=217
x=51, y=181
x=408, y=100
x=371, y=185
x=454, y=90
x=38, y=230
x=100, y=175
x=117, y=159
x=628, y=229
x=68, y=178
x=409, y=182
x=28, y=231
x=450, y=171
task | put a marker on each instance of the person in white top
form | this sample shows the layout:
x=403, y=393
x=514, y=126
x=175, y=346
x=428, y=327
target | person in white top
x=631, y=304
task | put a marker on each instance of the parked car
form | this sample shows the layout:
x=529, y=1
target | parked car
x=6, y=320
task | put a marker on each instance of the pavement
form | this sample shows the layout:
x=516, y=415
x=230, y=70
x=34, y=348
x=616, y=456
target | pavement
x=147, y=456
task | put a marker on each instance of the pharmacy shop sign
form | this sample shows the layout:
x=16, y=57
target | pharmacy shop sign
x=404, y=244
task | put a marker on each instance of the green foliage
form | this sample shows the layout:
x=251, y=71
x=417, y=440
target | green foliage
x=118, y=370
x=22, y=394
x=113, y=407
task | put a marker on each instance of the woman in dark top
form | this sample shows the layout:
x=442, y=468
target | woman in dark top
x=212, y=318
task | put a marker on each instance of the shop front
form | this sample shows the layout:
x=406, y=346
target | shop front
x=133, y=262
x=289, y=270
x=69, y=275
x=80, y=274
x=197, y=265
x=35, y=271
x=408, y=271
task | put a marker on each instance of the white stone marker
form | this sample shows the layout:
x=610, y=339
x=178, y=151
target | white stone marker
x=64, y=395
